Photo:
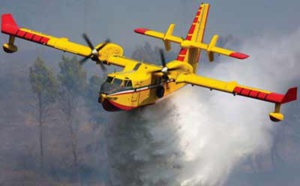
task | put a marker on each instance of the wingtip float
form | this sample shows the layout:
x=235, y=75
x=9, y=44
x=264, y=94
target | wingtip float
x=139, y=83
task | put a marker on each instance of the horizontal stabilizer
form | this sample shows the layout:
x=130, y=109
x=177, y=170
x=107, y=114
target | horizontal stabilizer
x=211, y=48
x=166, y=37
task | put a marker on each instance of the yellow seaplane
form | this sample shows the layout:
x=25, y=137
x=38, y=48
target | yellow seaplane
x=139, y=83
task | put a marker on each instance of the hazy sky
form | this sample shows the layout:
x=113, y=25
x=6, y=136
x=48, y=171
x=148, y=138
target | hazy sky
x=117, y=19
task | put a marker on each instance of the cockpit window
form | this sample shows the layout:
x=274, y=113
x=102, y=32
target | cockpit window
x=109, y=79
x=128, y=83
x=117, y=82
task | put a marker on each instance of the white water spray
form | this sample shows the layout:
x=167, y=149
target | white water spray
x=203, y=135
x=219, y=132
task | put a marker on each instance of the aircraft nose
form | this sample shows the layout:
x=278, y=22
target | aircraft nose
x=101, y=98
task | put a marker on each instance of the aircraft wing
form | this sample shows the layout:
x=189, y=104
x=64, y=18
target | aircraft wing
x=236, y=89
x=10, y=27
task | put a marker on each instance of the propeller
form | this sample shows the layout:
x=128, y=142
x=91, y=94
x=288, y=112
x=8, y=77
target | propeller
x=95, y=52
x=165, y=69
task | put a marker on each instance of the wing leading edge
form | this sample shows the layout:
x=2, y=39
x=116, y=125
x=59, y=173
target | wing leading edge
x=10, y=27
x=235, y=89
x=111, y=53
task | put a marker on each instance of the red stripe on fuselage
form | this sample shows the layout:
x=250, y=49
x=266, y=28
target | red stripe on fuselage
x=113, y=106
x=122, y=107
x=117, y=94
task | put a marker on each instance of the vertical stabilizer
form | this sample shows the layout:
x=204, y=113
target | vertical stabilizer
x=195, y=34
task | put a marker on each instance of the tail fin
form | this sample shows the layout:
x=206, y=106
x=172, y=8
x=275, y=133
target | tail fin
x=192, y=44
x=195, y=34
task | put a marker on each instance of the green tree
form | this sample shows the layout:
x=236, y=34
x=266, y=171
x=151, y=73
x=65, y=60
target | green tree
x=135, y=154
x=92, y=98
x=44, y=87
x=72, y=79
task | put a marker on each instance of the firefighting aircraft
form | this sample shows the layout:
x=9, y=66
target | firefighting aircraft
x=139, y=83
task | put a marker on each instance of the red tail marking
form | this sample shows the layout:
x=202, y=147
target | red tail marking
x=195, y=20
x=239, y=55
x=182, y=54
x=188, y=38
x=180, y=58
x=141, y=30
x=191, y=31
x=291, y=95
x=9, y=25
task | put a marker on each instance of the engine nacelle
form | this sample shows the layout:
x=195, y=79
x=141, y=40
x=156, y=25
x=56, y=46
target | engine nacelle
x=108, y=50
x=10, y=48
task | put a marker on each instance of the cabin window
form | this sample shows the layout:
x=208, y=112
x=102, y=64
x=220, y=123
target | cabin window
x=109, y=79
x=117, y=82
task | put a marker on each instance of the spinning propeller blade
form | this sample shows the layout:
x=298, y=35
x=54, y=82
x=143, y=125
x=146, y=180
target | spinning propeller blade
x=88, y=41
x=162, y=57
x=83, y=60
x=102, y=46
x=94, y=53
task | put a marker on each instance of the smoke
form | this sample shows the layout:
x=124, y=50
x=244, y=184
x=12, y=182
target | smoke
x=201, y=136
x=220, y=132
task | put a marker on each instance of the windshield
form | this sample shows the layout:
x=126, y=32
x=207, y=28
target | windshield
x=113, y=85
x=109, y=79
x=117, y=82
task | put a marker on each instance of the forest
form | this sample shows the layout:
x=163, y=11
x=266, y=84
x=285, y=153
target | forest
x=54, y=132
